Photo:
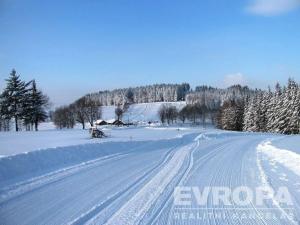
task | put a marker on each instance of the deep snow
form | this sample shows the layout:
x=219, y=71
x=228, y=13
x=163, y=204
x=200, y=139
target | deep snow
x=49, y=137
x=14, y=143
x=129, y=178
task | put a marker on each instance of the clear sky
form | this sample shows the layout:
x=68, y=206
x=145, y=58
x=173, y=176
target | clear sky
x=75, y=47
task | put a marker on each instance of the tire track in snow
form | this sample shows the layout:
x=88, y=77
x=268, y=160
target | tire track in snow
x=134, y=210
x=13, y=191
x=38, y=182
x=93, y=212
x=193, y=166
x=187, y=171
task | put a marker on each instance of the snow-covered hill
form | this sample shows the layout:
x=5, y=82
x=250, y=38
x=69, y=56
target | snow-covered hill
x=143, y=112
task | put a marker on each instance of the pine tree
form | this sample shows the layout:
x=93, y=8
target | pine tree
x=13, y=98
x=291, y=105
x=4, y=122
x=228, y=116
x=250, y=115
x=281, y=112
x=264, y=100
x=239, y=112
x=231, y=115
x=246, y=115
x=271, y=111
x=38, y=103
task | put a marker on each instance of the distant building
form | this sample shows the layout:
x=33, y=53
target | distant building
x=109, y=122
x=101, y=122
x=118, y=123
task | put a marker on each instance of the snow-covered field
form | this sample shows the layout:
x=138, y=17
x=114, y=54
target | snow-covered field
x=64, y=177
x=143, y=112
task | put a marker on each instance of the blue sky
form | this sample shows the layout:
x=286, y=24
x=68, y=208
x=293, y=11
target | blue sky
x=75, y=47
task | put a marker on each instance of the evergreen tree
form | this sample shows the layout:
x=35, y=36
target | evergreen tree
x=36, y=106
x=281, y=112
x=13, y=98
x=4, y=121
x=291, y=104
x=263, y=104
x=271, y=111
x=246, y=116
x=250, y=115
x=231, y=115
x=239, y=114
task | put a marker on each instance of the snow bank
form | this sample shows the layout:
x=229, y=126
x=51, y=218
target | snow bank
x=12, y=143
x=217, y=134
x=291, y=142
x=287, y=158
x=23, y=166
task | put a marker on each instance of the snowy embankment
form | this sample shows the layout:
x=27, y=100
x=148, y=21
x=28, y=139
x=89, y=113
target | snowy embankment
x=48, y=137
x=280, y=167
x=287, y=158
x=13, y=143
x=34, y=163
x=90, y=177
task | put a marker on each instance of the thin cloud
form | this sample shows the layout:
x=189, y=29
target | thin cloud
x=272, y=7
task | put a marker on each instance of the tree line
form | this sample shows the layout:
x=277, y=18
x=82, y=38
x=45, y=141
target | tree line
x=143, y=94
x=192, y=113
x=23, y=103
x=210, y=96
x=84, y=110
x=171, y=93
x=275, y=111
x=206, y=102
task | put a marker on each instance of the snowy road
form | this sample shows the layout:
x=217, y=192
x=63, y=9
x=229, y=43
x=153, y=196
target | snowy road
x=135, y=185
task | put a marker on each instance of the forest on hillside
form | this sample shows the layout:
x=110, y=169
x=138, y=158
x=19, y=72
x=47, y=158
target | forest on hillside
x=236, y=108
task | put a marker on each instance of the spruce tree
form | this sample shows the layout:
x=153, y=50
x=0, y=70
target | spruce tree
x=263, y=110
x=291, y=106
x=281, y=112
x=246, y=116
x=36, y=108
x=13, y=98
x=271, y=111
x=250, y=115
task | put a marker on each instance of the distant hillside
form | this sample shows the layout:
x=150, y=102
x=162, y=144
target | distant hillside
x=204, y=95
x=213, y=98
x=143, y=94
x=143, y=112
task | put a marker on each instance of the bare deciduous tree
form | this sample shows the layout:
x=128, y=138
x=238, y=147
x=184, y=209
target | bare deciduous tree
x=119, y=112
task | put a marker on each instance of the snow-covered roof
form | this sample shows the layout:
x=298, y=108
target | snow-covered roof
x=111, y=120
